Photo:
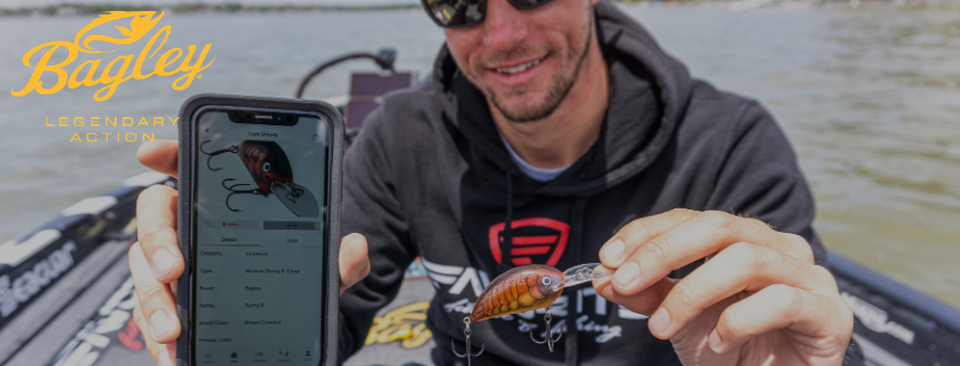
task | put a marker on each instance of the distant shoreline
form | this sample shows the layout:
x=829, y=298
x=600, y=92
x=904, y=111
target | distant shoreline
x=186, y=8
x=68, y=10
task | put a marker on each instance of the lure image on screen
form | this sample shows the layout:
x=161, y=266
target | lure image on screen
x=268, y=166
x=259, y=237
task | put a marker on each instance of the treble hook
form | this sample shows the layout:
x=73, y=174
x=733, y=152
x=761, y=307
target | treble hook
x=233, y=191
x=232, y=149
x=466, y=334
x=548, y=340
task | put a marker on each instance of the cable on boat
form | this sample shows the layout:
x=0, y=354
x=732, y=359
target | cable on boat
x=384, y=58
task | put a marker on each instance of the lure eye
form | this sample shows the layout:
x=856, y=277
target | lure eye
x=266, y=167
x=546, y=281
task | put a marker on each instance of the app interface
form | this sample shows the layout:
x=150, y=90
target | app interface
x=260, y=215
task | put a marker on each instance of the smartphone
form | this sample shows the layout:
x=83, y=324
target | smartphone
x=259, y=199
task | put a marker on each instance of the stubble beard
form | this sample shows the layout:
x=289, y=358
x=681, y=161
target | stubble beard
x=561, y=87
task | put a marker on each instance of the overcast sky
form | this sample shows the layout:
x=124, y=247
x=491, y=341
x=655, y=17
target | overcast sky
x=32, y=3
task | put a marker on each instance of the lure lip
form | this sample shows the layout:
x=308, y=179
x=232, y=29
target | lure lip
x=583, y=273
x=302, y=204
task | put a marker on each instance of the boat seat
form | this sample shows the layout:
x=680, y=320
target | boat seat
x=366, y=90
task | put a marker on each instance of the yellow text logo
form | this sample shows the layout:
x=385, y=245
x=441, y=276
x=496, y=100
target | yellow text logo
x=120, y=69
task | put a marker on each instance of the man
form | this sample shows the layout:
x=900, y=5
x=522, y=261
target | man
x=557, y=132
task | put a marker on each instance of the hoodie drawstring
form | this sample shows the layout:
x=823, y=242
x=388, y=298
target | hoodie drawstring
x=506, y=257
x=575, y=241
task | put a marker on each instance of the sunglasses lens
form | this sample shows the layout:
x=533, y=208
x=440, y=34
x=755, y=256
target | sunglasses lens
x=528, y=4
x=454, y=13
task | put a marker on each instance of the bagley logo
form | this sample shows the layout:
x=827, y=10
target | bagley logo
x=120, y=69
x=535, y=238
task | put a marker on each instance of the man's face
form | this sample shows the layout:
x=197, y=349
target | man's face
x=525, y=61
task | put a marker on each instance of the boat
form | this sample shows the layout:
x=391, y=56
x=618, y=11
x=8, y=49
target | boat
x=66, y=295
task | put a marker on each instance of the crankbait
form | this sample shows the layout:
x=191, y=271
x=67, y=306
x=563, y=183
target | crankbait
x=526, y=288
x=518, y=290
x=271, y=172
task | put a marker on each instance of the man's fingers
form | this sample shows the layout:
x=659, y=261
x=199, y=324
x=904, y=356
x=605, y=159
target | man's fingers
x=739, y=267
x=821, y=323
x=156, y=229
x=799, y=247
x=354, y=264
x=156, y=301
x=163, y=354
x=638, y=232
x=160, y=156
x=697, y=237
x=644, y=302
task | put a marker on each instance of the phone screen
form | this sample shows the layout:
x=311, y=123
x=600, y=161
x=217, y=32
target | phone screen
x=260, y=218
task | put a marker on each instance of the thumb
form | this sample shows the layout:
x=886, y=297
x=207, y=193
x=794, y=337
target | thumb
x=160, y=156
x=354, y=264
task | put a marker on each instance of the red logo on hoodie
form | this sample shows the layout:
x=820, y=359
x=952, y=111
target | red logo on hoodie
x=535, y=240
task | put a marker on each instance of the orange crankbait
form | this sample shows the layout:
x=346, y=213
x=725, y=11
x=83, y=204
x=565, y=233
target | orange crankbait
x=271, y=172
x=526, y=288
x=531, y=287
x=518, y=290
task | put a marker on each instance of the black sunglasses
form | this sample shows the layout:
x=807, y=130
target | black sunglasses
x=464, y=13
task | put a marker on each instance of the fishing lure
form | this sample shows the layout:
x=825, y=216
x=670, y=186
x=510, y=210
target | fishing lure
x=271, y=172
x=526, y=288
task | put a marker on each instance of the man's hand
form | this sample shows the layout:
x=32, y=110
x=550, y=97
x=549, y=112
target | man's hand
x=156, y=261
x=758, y=300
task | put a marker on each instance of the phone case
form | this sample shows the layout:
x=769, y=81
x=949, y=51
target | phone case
x=185, y=220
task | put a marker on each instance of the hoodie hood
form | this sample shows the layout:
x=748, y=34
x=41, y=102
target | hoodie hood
x=645, y=106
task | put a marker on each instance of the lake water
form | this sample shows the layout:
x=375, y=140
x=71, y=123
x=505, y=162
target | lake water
x=870, y=99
